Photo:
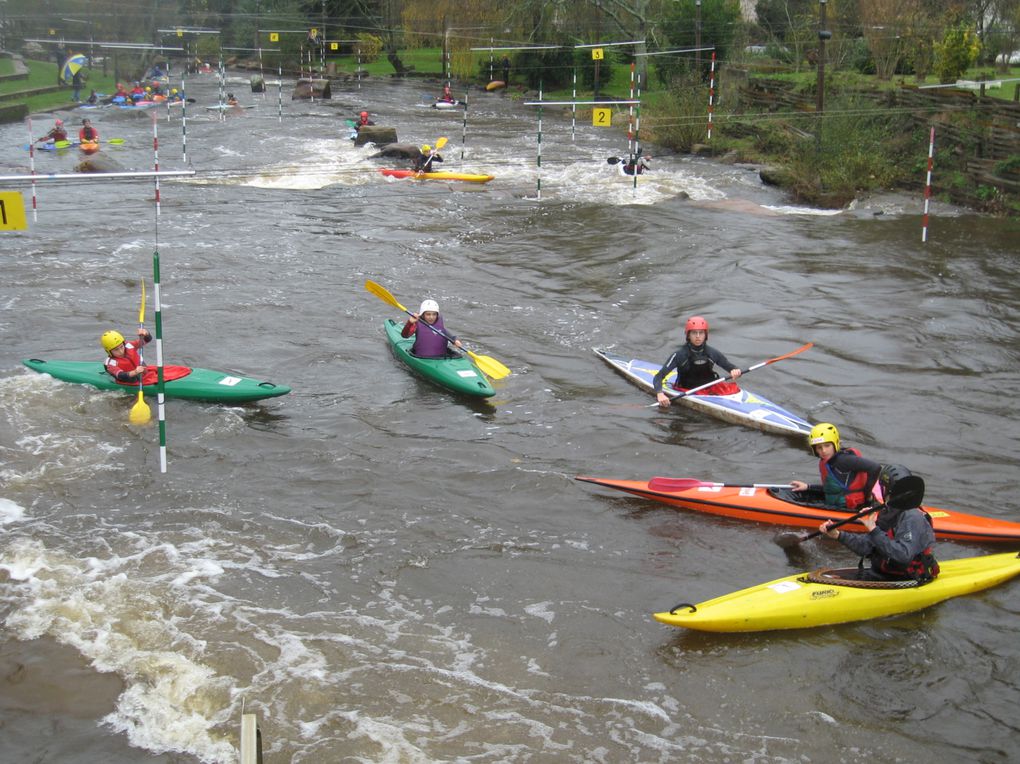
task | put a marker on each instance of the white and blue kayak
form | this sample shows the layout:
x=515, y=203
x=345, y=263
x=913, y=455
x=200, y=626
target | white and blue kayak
x=741, y=407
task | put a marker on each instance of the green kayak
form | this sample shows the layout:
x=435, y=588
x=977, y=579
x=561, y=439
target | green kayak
x=181, y=381
x=454, y=372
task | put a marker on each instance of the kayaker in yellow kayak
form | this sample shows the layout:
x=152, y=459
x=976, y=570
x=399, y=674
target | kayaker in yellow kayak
x=900, y=541
x=847, y=477
x=423, y=162
x=428, y=343
x=694, y=361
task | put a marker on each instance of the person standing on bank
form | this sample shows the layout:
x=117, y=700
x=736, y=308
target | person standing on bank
x=693, y=361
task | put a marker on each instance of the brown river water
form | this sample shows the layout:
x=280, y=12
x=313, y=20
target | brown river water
x=385, y=572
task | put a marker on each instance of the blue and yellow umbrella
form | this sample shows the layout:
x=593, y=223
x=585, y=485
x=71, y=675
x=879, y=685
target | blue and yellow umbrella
x=72, y=65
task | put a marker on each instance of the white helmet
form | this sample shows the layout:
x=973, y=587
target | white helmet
x=428, y=305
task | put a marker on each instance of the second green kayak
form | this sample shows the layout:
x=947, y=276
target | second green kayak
x=454, y=372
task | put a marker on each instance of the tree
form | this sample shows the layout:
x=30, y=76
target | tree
x=720, y=22
x=957, y=51
x=885, y=24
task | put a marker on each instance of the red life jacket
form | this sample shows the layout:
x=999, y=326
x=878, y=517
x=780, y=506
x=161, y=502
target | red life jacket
x=128, y=362
x=852, y=492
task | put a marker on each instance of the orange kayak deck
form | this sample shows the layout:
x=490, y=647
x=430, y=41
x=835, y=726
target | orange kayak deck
x=777, y=506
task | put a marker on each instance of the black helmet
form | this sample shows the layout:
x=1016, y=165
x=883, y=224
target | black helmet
x=901, y=489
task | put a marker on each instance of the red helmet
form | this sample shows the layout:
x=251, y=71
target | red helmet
x=695, y=323
x=364, y=114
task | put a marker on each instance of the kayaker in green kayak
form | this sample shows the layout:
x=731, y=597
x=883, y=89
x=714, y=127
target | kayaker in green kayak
x=900, y=541
x=123, y=361
x=428, y=343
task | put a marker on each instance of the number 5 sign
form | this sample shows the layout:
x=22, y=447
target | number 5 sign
x=601, y=117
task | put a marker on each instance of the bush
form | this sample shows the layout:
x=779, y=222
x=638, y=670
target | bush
x=956, y=53
x=370, y=45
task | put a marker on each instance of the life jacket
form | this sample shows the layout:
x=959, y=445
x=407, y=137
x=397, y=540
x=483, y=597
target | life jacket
x=88, y=134
x=428, y=344
x=128, y=362
x=922, y=568
x=837, y=493
x=697, y=370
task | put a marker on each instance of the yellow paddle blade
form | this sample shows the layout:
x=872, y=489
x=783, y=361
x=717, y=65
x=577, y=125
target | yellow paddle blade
x=383, y=294
x=141, y=311
x=140, y=412
x=440, y=143
x=490, y=366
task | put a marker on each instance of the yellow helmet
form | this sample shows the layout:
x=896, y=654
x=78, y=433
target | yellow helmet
x=111, y=340
x=426, y=149
x=823, y=433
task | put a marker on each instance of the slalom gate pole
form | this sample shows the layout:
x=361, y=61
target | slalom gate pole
x=711, y=95
x=539, y=165
x=31, y=167
x=927, y=185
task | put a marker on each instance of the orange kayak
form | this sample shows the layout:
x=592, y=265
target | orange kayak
x=780, y=506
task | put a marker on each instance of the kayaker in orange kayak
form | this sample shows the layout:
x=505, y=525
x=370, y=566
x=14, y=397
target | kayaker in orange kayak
x=900, y=541
x=847, y=477
x=428, y=343
x=123, y=362
x=88, y=134
x=694, y=361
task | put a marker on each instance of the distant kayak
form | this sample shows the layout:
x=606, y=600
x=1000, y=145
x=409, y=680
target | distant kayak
x=495, y=85
x=464, y=176
x=742, y=407
x=824, y=598
x=89, y=147
x=455, y=372
x=191, y=384
x=446, y=104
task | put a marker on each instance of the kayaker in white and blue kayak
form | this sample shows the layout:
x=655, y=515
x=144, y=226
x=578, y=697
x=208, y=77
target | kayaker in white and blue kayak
x=694, y=362
x=428, y=343
x=848, y=479
x=123, y=362
x=900, y=541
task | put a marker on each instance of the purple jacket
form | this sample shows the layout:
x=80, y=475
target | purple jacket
x=427, y=344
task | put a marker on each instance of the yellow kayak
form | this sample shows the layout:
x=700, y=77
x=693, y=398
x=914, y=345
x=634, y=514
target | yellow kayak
x=464, y=176
x=795, y=602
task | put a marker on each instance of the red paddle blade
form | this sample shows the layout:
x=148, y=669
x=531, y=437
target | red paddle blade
x=676, y=484
x=801, y=349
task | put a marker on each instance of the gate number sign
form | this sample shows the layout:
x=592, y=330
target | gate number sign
x=12, y=211
x=601, y=117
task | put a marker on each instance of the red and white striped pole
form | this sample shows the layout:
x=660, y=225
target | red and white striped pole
x=155, y=159
x=927, y=185
x=711, y=95
x=31, y=165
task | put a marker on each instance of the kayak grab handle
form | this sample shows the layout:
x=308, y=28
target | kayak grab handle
x=267, y=385
x=672, y=610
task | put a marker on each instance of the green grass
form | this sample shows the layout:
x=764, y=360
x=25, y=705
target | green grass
x=6, y=66
x=42, y=74
x=844, y=78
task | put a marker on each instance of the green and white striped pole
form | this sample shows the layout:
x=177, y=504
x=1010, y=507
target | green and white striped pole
x=160, y=384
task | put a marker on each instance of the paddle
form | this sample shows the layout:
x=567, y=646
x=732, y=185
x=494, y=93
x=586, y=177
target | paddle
x=686, y=484
x=790, y=539
x=140, y=413
x=489, y=366
x=674, y=394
